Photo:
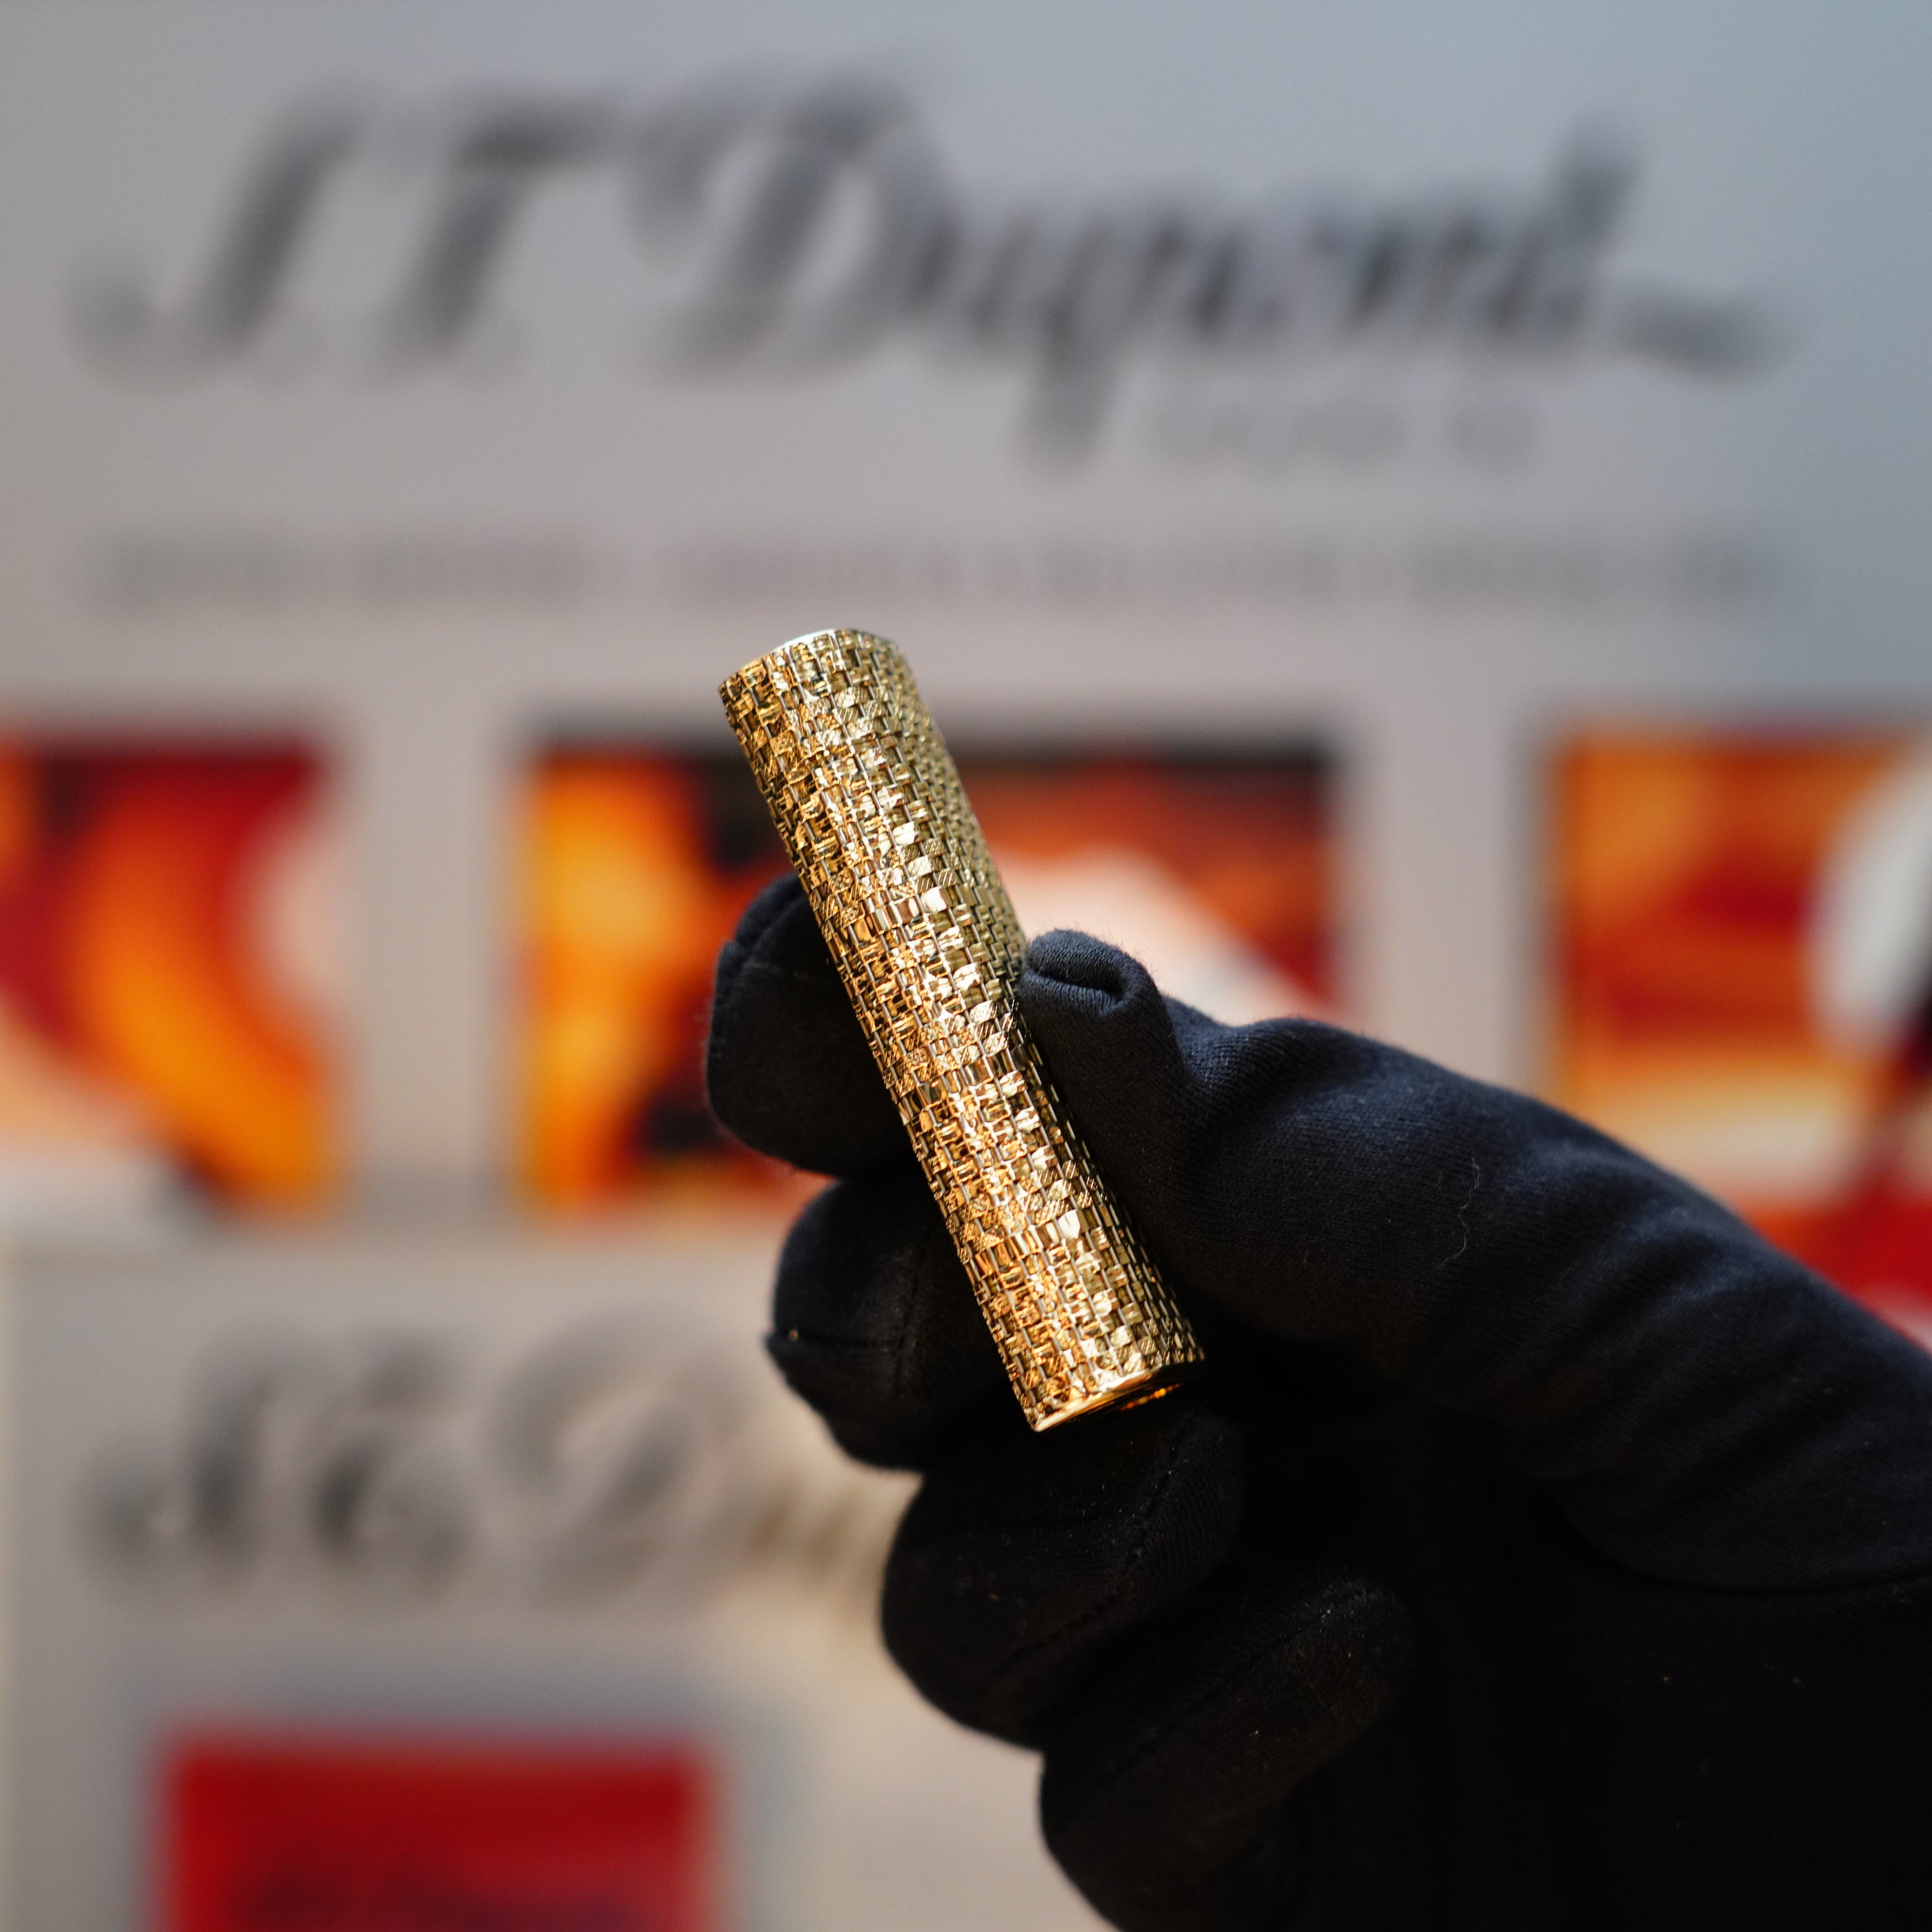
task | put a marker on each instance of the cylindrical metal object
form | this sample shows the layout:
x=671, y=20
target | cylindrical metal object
x=870, y=807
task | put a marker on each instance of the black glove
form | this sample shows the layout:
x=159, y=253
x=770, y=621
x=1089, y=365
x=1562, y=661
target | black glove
x=1540, y=1547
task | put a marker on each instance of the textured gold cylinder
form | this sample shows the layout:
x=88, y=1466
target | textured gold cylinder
x=870, y=807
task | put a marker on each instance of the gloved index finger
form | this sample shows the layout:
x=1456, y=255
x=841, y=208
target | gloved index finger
x=787, y=1068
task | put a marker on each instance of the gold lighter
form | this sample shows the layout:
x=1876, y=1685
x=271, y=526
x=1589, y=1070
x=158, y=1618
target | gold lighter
x=869, y=805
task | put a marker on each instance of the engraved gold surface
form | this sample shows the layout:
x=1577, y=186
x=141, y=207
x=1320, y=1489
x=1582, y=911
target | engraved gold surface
x=870, y=807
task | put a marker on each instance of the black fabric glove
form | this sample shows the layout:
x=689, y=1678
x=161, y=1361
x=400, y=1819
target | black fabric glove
x=1540, y=1548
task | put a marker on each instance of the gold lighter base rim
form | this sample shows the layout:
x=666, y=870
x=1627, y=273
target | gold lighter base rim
x=1133, y=1392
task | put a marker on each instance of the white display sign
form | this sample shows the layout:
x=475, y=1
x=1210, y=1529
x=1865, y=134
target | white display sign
x=422, y=374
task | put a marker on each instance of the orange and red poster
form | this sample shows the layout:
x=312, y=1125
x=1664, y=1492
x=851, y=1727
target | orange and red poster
x=169, y=928
x=1743, y=980
x=1216, y=868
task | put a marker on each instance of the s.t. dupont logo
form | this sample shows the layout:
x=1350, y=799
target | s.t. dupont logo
x=792, y=228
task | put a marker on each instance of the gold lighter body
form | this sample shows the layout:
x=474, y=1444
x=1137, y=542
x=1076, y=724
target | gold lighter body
x=869, y=805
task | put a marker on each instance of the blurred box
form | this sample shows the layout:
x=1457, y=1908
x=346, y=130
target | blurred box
x=261, y=1832
x=1215, y=867
x=1743, y=979
x=170, y=973
x=354, y=1575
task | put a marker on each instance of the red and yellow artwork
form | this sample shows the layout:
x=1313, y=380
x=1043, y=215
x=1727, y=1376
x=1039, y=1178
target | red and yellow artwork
x=168, y=928
x=1743, y=980
x=1216, y=868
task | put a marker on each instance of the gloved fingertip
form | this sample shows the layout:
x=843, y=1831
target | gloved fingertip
x=782, y=896
x=873, y=1321
x=1081, y=964
x=787, y=1069
x=1109, y=1039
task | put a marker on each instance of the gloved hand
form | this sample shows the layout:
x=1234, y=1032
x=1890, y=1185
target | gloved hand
x=1539, y=1548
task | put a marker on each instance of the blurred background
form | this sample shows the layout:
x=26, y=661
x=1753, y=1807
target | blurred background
x=1417, y=514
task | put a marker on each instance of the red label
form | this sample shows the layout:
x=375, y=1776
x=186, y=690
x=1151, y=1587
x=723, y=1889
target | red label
x=286, y=1835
